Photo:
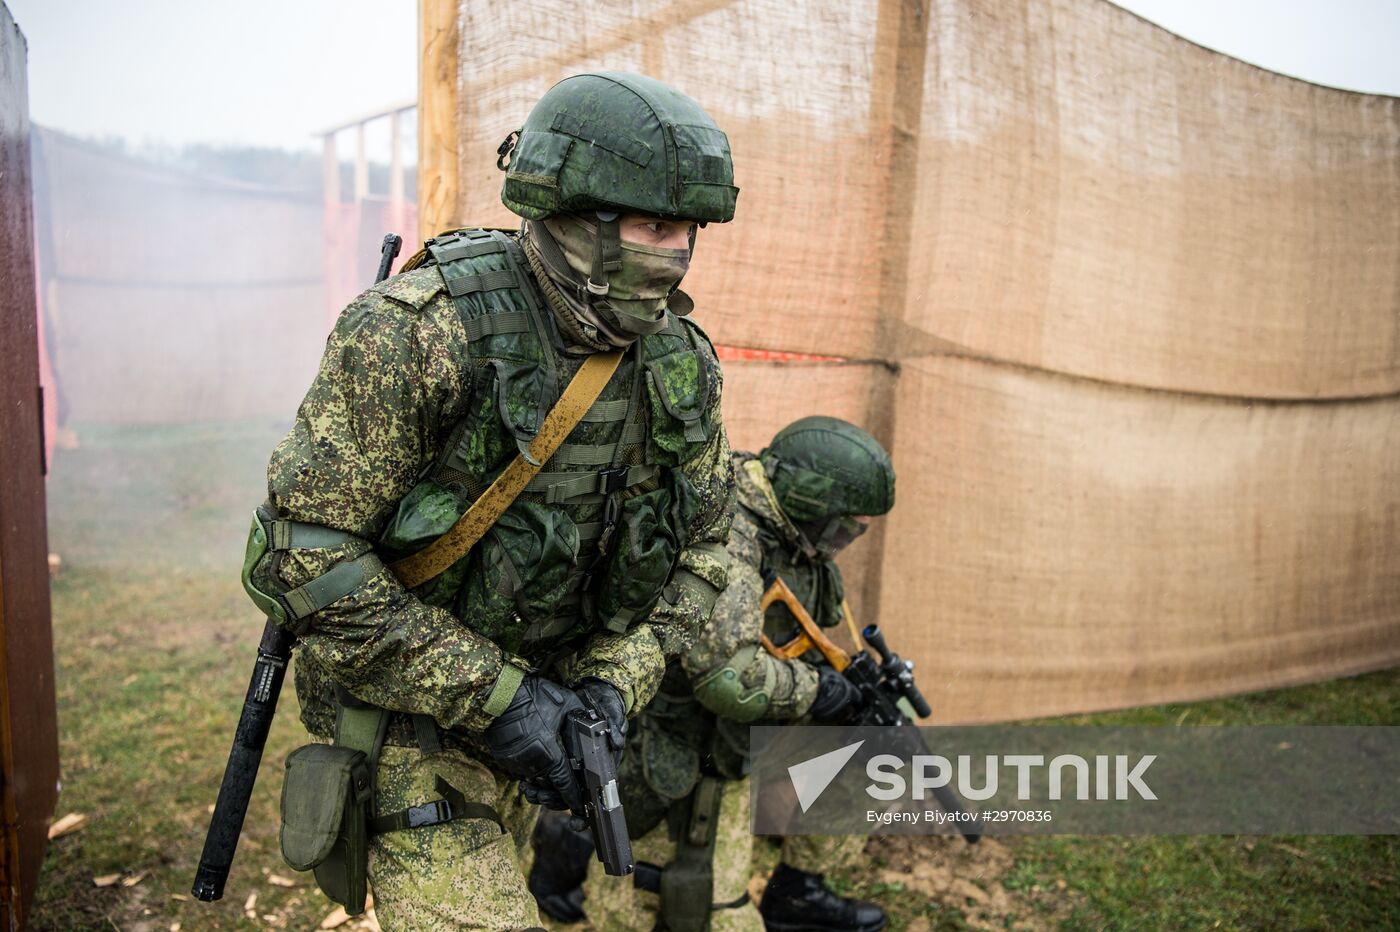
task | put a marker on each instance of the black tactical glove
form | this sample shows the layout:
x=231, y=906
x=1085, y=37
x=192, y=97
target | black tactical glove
x=836, y=696
x=603, y=697
x=527, y=742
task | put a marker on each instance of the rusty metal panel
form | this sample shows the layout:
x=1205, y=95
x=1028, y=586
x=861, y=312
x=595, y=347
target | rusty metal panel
x=28, y=721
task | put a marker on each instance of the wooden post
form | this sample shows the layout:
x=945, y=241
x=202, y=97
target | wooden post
x=330, y=171
x=438, y=192
x=28, y=721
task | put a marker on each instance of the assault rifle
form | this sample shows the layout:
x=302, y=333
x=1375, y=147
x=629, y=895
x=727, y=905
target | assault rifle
x=888, y=695
x=274, y=652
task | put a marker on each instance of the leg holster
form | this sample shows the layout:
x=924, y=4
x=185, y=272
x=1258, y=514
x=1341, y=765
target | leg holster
x=328, y=814
x=688, y=882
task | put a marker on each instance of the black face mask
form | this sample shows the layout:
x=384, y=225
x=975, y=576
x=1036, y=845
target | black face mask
x=832, y=535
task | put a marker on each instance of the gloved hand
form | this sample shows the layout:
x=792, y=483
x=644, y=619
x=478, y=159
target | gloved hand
x=604, y=698
x=836, y=696
x=527, y=742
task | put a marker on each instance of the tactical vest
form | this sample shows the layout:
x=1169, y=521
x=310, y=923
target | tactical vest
x=676, y=739
x=816, y=583
x=592, y=541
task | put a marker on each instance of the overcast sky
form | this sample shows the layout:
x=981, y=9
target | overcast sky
x=258, y=72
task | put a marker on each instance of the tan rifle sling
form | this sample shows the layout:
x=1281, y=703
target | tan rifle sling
x=583, y=389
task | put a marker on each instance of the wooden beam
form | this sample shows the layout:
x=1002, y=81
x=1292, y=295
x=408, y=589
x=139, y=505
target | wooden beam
x=438, y=183
x=28, y=719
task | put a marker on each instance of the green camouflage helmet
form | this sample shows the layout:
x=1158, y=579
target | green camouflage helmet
x=824, y=469
x=620, y=143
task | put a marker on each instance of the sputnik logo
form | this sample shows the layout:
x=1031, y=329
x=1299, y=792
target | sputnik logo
x=811, y=777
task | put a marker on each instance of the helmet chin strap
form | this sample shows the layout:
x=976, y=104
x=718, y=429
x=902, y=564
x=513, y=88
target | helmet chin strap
x=607, y=252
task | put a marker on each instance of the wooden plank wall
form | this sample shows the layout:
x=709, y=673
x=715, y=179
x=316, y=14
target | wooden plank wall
x=28, y=721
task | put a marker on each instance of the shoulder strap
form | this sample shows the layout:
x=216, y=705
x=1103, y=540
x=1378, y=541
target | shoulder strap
x=585, y=387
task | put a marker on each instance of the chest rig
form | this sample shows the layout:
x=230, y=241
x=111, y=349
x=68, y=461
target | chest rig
x=816, y=583
x=592, y=541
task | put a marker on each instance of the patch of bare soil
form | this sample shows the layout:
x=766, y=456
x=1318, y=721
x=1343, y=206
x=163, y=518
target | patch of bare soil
x=968, y=878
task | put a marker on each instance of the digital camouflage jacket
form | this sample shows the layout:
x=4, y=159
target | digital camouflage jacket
x=763, y=540
x=699, y=719
x=417, y=398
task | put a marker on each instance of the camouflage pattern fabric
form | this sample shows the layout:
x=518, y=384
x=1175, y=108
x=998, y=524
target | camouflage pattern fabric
x=391, y=385
x=822, y=854
x=465, y=874
x=761, y=533
x=614, y=905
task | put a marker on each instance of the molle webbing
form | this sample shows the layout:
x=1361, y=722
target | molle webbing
x=458, y=285
x=433, y=559
x=489, y=325
x=567, y=486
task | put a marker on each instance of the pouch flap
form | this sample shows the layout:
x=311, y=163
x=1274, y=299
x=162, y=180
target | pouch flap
x=681, y=384
x=321, y=780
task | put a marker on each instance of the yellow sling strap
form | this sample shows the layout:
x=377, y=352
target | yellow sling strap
x=583, y=389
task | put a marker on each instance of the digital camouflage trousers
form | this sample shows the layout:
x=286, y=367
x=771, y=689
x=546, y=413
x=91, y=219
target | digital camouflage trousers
x=614, y=905
x=466, y=874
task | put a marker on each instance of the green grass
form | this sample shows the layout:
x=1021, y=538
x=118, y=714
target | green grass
x=1230, y=882
x=155, y=639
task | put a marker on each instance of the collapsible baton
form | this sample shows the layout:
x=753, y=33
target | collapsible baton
x=274, y=651
x=248, y=742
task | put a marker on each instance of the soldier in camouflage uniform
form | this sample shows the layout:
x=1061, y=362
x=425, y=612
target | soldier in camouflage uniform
x=800, y=501
x=599, y=573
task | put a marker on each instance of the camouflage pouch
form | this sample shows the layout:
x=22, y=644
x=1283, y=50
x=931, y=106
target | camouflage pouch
x=325, y=807
x=657, y=770
x=518, y=573
x=426, y=513
x=679, y=395
x=650, y=533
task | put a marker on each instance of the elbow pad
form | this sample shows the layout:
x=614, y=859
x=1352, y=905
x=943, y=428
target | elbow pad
x=291, y=607
x=723, y=692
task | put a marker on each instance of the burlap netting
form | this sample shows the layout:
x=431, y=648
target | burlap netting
x=1128, y=313
x=1060, y=545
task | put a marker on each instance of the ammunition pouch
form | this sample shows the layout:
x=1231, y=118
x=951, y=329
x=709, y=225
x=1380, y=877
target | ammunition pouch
x=328, y=814
x=648, y=538
x=326, y=799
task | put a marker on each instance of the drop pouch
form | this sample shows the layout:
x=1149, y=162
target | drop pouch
x=325, y=812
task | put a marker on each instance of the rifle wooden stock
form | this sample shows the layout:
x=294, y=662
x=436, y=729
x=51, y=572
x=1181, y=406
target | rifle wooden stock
x=810, y=635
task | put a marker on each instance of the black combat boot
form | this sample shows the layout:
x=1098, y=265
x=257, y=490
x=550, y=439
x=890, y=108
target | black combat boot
x=796, y=901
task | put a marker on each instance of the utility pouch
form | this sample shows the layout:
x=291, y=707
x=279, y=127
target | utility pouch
x=650, y=533
x=688, y=882
x=325, y=808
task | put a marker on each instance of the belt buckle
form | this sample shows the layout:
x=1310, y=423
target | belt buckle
x=612, y=479
x=432, y=813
